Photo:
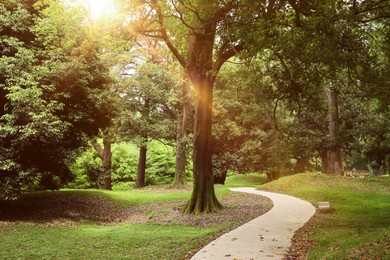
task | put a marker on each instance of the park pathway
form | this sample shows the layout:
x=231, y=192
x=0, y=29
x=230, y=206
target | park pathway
x=266, y=237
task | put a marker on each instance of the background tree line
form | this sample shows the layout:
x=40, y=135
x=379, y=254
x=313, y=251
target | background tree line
x=267, y=86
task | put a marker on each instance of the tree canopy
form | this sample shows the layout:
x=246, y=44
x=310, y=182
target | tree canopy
x=54, y=92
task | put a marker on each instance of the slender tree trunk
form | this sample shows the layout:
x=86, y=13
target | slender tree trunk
x=331, y=158
x=142, y=162
x=181, y=144
x=105, y=155
x=107, y=163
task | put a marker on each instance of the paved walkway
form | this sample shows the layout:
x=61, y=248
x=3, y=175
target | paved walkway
x=266, y=237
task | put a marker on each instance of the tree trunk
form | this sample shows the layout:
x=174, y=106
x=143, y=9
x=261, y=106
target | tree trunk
x=331, y=158
x=301, y=164
x=181, y=143
x=107, y=162
x=142, y=162
x=105, y=155
x=220, y=178
x=272, y=176
x=200, y=50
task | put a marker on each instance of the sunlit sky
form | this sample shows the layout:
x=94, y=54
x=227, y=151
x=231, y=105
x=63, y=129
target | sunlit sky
x=99, y=8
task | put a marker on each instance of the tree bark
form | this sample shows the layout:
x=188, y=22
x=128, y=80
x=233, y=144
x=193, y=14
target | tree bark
x=272, y=176
x=301, y=164
x=220, y=179
x=331, y=157
x=202, y=73
x=105, y=155
x=181, y=143
x=200, y=50
x=142, y=162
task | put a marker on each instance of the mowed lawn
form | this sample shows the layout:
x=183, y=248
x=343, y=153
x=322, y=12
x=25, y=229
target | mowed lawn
x=358, y=226
x=99, y=240
x=94, y=241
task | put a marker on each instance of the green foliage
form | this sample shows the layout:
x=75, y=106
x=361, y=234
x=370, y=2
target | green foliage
x=86, y=170
x=246, y=137
x=124, y=162
x=160, y=166
x=53, y=92
x=146, y=97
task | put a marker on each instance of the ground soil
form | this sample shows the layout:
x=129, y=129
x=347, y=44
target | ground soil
x=55, y=209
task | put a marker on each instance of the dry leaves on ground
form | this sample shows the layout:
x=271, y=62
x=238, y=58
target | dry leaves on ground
x=68, y=209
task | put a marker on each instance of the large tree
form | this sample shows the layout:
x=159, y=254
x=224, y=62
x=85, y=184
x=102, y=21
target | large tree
x=52, y=92
x=324, y=52
x=203, y=35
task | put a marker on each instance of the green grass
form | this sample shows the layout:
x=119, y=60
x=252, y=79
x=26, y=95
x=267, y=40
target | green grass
x=124, y=241
x=135, y=197
x=247, y=180
x=358, y=226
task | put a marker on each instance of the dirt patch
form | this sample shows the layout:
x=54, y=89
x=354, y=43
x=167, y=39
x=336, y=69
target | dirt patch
x=238, y=207
x=63, y=209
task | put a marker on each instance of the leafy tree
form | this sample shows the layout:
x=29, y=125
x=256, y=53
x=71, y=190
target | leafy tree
x=52, y=92
x=208, y=33
x=246, y=137
x=146, y=96
x=324, y=53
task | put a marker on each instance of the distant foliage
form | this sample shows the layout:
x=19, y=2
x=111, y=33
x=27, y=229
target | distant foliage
x=160, y=166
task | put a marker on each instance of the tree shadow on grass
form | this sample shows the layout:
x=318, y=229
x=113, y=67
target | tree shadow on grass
x=54, y=207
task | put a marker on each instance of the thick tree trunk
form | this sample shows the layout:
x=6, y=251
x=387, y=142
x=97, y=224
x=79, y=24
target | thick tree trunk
x=105, y=155
x=142, y=163
x=331, y=162
x=272, y=176
x=203, y=199
x=181, y=143
x=301, y=164
x=331, y=158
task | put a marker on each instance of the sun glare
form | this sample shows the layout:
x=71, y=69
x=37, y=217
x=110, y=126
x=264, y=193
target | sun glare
x=99, y=8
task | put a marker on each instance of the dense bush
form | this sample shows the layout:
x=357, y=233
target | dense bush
x=160, y=167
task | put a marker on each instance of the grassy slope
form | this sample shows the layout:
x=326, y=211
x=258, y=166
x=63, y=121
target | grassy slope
x=123, y=241
x=358, y=226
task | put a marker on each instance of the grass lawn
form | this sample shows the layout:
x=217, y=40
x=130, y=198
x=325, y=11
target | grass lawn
x=96, y=240
x=358, y=227
x=93, y=241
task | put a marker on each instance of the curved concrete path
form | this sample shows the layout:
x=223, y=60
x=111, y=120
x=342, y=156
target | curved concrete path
x=266, y=237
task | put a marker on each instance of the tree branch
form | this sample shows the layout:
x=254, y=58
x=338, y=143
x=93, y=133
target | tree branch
x=165, y=37
x=180, y=17
x=223, y=57
x=98, y=148
x=192, y=8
